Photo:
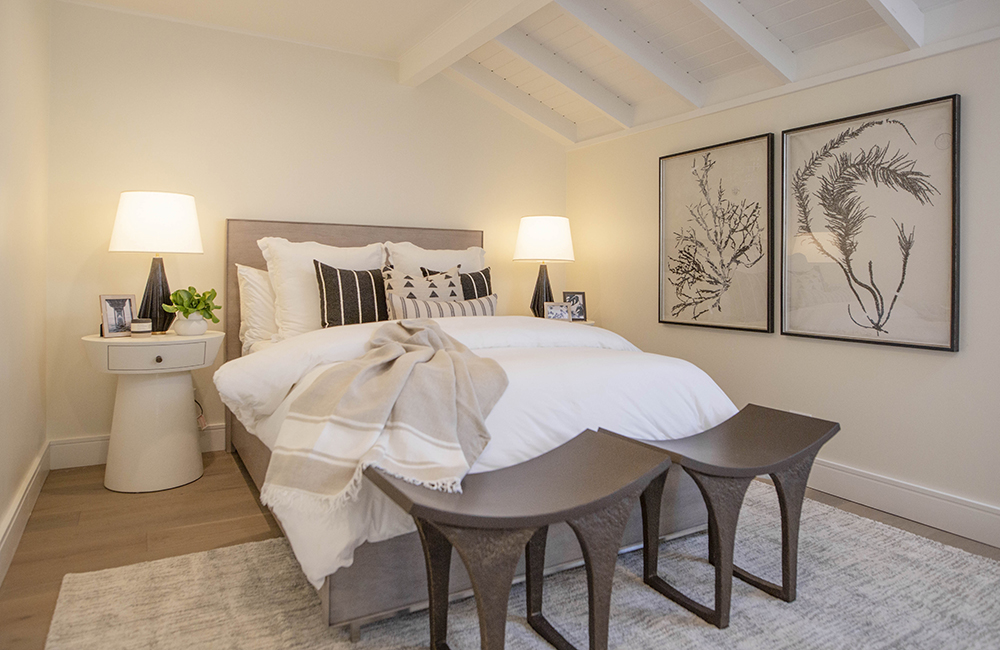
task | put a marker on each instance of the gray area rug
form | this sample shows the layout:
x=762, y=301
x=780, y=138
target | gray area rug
x=862, y=584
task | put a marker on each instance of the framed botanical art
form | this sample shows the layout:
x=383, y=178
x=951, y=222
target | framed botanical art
x=870, y=215
x=716, y=261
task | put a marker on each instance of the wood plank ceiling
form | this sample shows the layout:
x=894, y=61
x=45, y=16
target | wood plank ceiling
x=586, y=69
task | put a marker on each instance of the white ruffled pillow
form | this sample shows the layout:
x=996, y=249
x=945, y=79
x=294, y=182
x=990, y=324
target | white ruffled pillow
x=256, y=307
x=293, y=277
x=408, y=258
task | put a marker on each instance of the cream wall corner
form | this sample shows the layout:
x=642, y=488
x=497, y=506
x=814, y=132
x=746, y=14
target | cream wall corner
x=911, y=417
x=24, y=111
x=255, y=129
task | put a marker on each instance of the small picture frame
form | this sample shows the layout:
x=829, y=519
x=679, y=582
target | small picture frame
x=558, y=311
x=577, y=301
x=117, y=312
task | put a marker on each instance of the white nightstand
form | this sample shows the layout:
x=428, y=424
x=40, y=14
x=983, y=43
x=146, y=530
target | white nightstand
x=154, y=435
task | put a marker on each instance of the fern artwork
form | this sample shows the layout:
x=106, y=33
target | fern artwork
x=870, y=218
x=715, y=236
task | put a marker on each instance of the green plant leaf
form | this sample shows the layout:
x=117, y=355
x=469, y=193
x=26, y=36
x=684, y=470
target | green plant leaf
x=189, y=301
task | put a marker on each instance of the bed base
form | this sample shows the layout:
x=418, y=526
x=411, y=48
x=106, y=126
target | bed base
x=389, y=577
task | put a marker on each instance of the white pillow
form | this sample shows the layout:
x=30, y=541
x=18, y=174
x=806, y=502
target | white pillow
x=256, y=306
x=408, y=258
x=293, y=276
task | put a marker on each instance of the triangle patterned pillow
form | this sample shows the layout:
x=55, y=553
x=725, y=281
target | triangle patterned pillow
x=474, y=285
x=439, y=286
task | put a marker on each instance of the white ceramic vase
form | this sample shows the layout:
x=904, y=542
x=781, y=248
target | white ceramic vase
x=193, y=325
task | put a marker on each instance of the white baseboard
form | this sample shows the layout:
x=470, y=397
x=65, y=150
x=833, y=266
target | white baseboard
x=16, y=518
x=93, y=450
x=213, y=438
x=972, y=519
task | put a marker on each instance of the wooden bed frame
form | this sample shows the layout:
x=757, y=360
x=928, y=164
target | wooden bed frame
x=389, y=577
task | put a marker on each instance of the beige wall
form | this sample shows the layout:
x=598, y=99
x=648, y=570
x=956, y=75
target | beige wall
x=24, y=69
x=927, y=418
x=255, y=129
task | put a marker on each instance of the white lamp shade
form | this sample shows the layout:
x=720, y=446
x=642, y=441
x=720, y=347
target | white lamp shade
x=544, y=239
x=156, y=222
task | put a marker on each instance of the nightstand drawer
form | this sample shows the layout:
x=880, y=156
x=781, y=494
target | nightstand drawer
x=156, y=357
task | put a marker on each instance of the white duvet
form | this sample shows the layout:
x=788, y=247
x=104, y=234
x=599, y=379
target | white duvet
x=564, y=378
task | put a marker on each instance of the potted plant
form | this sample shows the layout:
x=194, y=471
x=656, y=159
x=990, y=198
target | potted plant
x=194, y=308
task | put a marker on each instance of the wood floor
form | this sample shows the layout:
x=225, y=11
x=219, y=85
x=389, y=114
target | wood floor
x=79, y=526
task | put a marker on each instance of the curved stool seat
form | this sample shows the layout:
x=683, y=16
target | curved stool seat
x=590, y=482
x=722, y=461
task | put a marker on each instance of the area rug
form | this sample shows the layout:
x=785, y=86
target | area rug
x=862, y=584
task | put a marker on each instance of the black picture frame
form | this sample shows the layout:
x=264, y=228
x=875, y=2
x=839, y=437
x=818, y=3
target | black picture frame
x=577, y=304
x=761, y=307
x=896, y=139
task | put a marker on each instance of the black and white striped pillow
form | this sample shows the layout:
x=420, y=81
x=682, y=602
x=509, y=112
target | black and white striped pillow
x=410, y=308
x=350, y=297
x=474, y=285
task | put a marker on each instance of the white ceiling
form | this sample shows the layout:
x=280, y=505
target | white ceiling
x=377, y=28
x=586, y=70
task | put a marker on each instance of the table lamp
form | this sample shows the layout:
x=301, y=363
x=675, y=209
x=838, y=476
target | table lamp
x=543, y=239
x=156, y=222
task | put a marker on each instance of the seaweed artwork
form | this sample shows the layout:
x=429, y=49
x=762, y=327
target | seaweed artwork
x=723, y=237
x=845, y=213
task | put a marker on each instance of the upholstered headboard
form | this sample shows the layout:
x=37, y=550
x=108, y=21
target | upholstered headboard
x=241, y=248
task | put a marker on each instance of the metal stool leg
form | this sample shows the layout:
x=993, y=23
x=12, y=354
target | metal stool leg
x=790, y=484
x=650, y=500
x=437, y=555
x=534, y=565
x=600, y=535
x=490, y=556
x=723, y=497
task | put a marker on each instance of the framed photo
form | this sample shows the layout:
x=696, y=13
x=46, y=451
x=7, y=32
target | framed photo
x=716, y=261
x=870, y=220
x=558, y=311
x=117, y=312
x=577, y=301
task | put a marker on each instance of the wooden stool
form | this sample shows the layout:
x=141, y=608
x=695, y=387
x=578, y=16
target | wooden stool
x=722, y=461
x=591, y=483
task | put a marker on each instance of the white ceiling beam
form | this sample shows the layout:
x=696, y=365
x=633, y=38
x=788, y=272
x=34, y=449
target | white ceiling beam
x=904, y=17
x=568, y=75
x=476, y=24
x=514, y=101
x=747, y=30
x=624, y=38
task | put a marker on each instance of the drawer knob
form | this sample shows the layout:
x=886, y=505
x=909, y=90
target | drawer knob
x=159, y=359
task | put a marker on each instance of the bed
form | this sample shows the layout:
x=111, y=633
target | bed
x=387, y=577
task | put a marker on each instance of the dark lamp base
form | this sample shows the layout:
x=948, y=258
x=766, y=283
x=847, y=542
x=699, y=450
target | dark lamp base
x=543, y=292
x=157, y=292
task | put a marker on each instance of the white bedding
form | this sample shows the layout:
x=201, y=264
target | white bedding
x=564, y=378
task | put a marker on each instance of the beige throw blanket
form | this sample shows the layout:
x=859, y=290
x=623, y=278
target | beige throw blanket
x=414, y=406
